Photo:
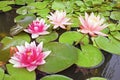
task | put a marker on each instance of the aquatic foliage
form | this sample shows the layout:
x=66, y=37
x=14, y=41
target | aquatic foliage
x=76, y=35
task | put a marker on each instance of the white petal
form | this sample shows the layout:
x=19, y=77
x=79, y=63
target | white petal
x=34, y=36
x=44, y=33
x=16, y=63
x=26, y=30
x=40, y=46
x=31, y=68
x=46, y=53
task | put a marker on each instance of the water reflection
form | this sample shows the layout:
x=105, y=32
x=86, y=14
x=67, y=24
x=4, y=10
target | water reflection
x=6, y=21
x=112, y=68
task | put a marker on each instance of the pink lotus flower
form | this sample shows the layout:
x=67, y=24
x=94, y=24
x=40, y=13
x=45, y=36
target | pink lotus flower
x=92, y=25
x=29, y=56
x=59, y=19
x=37, y=27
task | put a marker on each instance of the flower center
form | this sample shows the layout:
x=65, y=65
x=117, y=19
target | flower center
x=28, y=53
x=94, y=20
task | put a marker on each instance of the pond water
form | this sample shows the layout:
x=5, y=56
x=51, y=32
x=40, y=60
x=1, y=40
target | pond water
x=110, y=69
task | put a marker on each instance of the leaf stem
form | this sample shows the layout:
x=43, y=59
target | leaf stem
x=80, y=39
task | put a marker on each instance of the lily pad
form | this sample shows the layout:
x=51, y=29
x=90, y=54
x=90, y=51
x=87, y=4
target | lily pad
x=9, y=41
x=72, y=36
x=96, y=78
x=39, y=5
x=8, y=77
x=25, y=20
x=43, y=13
x=115, y=15
x=62, y=56
x=56, y=77
x=116, y=34
x=89, y=56
x=58, y=5
x=47, y=38
x=1, y=74
x=108, y=44
x=20, y=73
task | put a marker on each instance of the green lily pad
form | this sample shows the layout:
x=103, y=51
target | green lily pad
x=22, y=22
x=1, y=74
x=39, y=5
x=47, y=38
x=62, y=56
x=43, y=13
x=108, y=44
x=72, y=36
x=23, y=2
x=116, y=34
x=6, y=8
x=20, y=73
x=96, y=78
x=58, y=5
x=112, y=27
x=118, y=26
x=25, y=20
x=8, y=77
x=115, y=15
x=22, y=10
x=9, y=41
x=56, y=77
x=89, y=56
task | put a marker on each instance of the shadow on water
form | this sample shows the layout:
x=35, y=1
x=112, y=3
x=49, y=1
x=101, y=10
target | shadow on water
x=6, y=22
x=110, y=69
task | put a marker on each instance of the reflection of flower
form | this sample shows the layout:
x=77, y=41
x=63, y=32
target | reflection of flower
x=29, y=56
x=37, y=27
x=92, y=25
x=59, y=19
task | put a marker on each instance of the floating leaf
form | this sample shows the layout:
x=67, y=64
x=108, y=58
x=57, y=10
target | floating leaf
x=23, y=2
x=62, y=56
x=47, y=38
x=16, y=29
x=56, y=77
x=1, y=73
x=112, y=27
x=8, y=77
x=118, y=27
x=39, y=5
x=115, y=15
x=116, y=34
x=6, y=8
x=96, y=78
x=23, y=10
x=9, y=41
x=25, y=20
x=108, y=44
x=58, y=5
x=20, y=73
x=72, y=36
x=43, y=12
x=75, y=23
x=89, y=56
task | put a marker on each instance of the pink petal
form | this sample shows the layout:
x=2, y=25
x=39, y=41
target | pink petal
x=31, y=68
x=100, y=33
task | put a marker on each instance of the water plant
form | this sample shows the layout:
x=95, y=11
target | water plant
x=49, y=38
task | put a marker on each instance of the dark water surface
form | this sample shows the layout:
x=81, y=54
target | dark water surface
x=110, y=69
